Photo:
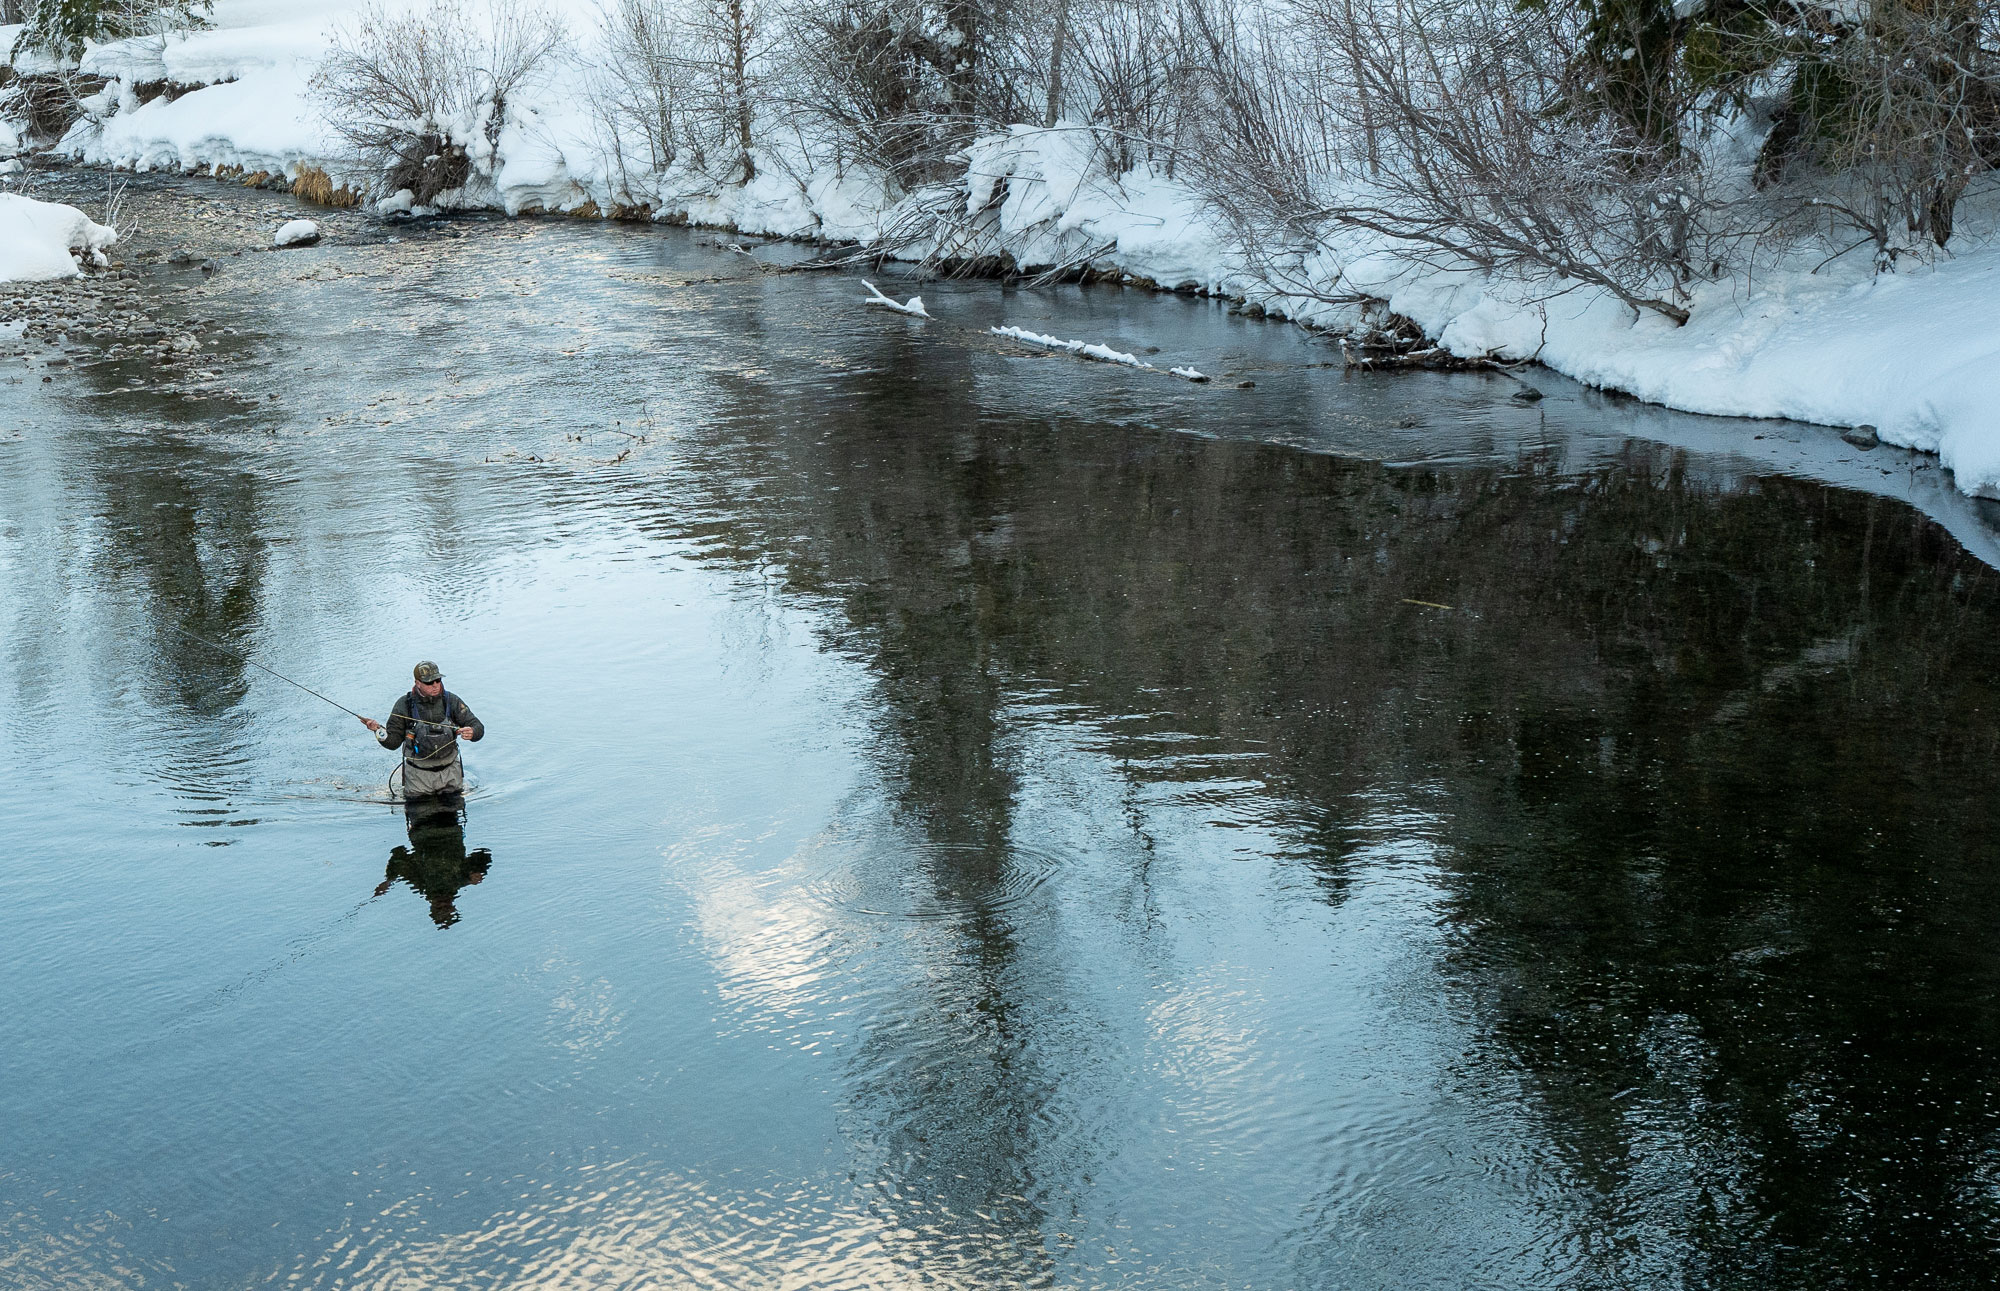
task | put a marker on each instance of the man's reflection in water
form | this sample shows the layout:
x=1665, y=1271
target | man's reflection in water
x=436, y=863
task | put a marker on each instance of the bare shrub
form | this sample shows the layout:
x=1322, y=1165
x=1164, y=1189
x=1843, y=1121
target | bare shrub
x=46, y=104
x=422, y=96
x=865, y=75
x=905, y=84
x=1270, y=139
x=1473, y=133
x=1137, y=74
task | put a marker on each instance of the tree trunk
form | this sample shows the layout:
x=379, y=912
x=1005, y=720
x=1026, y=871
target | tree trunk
x=961, y=70
x=739, y=41
x=1054, y=112
x=1943, y=207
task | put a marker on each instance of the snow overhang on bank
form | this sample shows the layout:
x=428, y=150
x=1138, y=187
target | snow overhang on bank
x=1913, y=354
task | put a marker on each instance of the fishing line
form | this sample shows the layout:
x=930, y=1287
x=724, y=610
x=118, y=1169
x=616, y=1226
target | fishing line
x=238, y=654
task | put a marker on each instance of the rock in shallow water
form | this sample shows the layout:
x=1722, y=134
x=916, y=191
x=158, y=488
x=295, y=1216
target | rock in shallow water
x=298, y=233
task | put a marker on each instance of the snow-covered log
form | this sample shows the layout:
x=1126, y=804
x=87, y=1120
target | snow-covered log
x=1082, y=349
x=914, y=307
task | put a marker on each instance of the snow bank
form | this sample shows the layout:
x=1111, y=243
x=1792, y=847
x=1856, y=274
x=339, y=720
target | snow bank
x=36, y=239
x=248, y=37
x=261, y=122
x=1915, y=354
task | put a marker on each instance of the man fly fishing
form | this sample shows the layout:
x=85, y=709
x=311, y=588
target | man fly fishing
x=426, y=724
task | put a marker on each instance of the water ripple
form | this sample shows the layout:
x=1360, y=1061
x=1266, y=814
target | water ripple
x=931, y=880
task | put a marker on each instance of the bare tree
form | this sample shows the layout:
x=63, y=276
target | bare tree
x=737, y=33
x=640, y=89
x=684, y=75
x=1140, y=72
x=1058, y=45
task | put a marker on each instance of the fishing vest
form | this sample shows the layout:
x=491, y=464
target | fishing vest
x=433, y=738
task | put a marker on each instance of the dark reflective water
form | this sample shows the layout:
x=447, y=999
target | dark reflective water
x=954, y=817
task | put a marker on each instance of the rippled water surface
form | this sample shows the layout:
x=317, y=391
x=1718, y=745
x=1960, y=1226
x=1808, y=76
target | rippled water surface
x=958, y=817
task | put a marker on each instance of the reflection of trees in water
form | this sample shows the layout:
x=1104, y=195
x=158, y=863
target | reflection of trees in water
x=1719, y=761
x=183, y=536
x=949, y=1094
x=950, y=1103
x=1746, y=884
x=952, y=1099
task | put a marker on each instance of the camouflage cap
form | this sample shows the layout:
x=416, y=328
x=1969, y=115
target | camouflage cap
x=427, y=672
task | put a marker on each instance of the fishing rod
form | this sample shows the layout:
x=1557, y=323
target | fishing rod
x=238, y=654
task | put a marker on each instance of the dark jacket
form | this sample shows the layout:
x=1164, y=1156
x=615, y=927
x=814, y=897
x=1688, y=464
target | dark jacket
x=434, y=723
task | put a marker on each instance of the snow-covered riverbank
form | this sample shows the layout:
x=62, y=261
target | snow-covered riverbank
x=1915, y=354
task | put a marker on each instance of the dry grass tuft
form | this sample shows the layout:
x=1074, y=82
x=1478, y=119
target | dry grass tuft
x=317, y=187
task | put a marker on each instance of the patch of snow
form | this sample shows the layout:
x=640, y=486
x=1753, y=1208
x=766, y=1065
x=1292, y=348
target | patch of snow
x=401, y=201
x=296, y=233
x=1915, y=354
x=1188, y=374
x=37, y=239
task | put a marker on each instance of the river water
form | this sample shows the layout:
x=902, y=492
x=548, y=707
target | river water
x=958, y=817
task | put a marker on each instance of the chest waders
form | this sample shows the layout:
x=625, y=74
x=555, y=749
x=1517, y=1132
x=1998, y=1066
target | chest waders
x=426, y=782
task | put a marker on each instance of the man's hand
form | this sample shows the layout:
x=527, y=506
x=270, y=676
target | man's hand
x=372, y=725
x=465, y=732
